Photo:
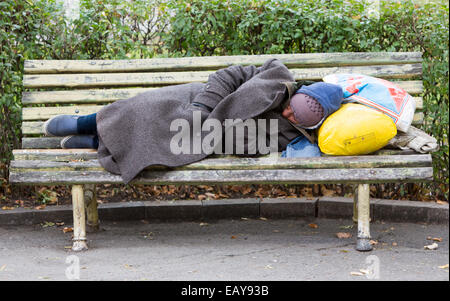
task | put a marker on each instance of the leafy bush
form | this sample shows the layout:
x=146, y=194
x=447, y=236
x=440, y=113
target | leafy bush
x=113, y=29
x=17, y=34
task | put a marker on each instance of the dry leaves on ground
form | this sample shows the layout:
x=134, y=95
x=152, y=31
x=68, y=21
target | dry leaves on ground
x=343, y=235
x=314, y=226
x=67, y=229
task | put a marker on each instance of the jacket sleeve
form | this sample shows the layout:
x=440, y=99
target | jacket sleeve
x=225, y=81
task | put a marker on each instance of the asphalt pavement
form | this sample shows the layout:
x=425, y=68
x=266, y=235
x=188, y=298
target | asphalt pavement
x=230, y=249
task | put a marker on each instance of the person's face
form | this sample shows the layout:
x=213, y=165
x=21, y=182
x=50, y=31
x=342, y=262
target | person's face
x=288, y=113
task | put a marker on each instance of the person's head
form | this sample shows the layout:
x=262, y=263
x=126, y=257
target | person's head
x=310, y=105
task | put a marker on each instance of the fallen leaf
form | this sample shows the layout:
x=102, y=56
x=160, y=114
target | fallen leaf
x=346, y=227
x=441, y=202
x=201, y=197
x=47, y=224
x=433, y=246
x=203, y=224
x=439, y=239
x=149, y=235
x=327, y=192
x=314, y=226
x=394, y=244
x=445, y=266
x=7, y=208
x=365, y=272
x=233, y=236
x=40, y=207
x=263, y=218
x=343, y=235
x=246, y=190
x=356, y=274
x=373, y=242
x=211, y=195
x=67, y=229
x=60, y=224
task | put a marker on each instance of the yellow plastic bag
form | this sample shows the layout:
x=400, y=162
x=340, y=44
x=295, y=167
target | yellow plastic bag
x=355, y=129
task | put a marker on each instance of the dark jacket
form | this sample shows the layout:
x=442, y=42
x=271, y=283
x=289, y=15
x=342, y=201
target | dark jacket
x=134, y=133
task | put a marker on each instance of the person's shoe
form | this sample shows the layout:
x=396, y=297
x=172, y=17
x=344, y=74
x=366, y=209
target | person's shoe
x=61, y=125
x=79, y=141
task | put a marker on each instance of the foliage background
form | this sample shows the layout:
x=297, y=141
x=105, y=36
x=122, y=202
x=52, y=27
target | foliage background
x=112, y=29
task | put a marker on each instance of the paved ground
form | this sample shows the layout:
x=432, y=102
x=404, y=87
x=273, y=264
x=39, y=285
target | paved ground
x=225, y=250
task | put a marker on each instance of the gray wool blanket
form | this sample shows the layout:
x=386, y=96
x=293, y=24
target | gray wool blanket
x=135, y=133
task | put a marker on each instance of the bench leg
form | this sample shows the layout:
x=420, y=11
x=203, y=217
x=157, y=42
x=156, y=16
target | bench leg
x=355, y=203
x=363, y=240
x=90, y=199
x=79, y=219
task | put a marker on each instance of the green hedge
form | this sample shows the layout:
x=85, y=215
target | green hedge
x=143, y=28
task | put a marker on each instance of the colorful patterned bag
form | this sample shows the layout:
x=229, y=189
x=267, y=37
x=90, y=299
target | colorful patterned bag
x=379, y=94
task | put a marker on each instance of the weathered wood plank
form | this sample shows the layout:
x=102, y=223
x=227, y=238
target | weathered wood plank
x=111, y=95
x=195, y=177
x=264, y=163
x=55, y=154
x=217, y=62
x=90, y=154
x=406, y=71
x=44, y=113
x=80, y=96
x=41, y=142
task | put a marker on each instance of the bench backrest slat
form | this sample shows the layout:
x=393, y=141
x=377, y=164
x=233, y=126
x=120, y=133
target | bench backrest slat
x=413, y=87
x=216, y=62
x=87, y=80
x=82, y=87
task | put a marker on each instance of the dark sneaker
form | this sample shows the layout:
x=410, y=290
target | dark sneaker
x=61, y=125
x=80, y=141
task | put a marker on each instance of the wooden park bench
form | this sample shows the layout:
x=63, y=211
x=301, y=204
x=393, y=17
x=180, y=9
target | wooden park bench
x=54, y=87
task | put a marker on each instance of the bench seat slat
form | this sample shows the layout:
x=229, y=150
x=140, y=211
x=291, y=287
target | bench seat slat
x=217, y=62
x=268, y=162
x=197, y=177
x=91, y=154
x=406, y=71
